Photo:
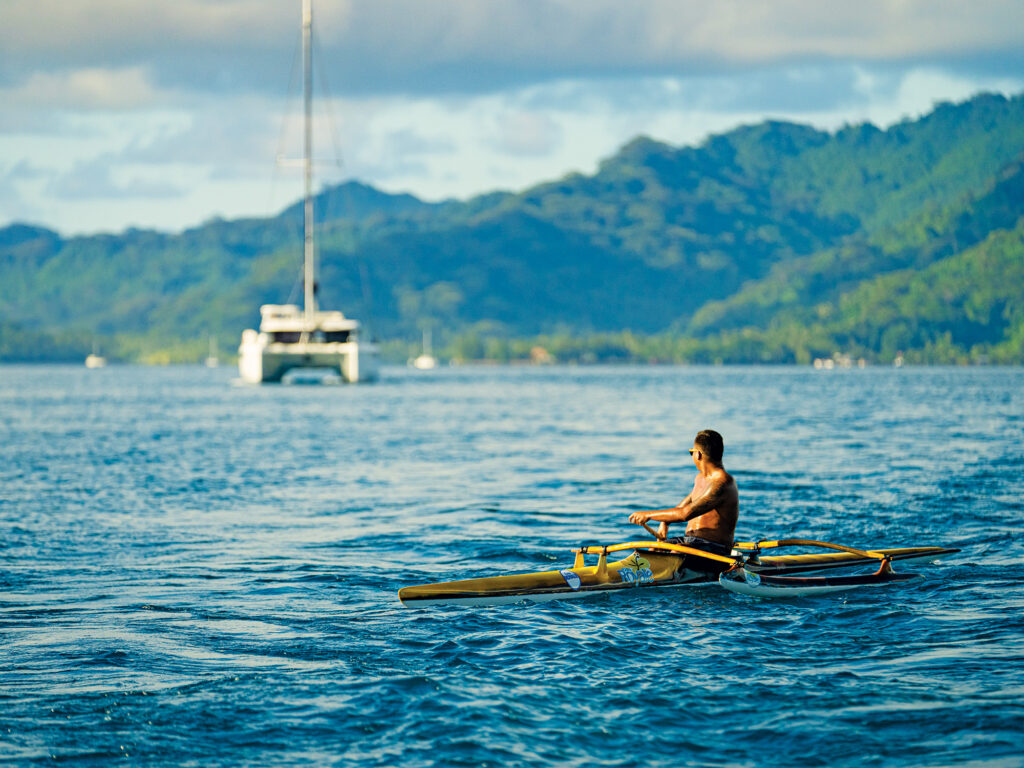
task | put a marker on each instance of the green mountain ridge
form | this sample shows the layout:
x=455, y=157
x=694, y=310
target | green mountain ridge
x=773, y=242
x=796, y=289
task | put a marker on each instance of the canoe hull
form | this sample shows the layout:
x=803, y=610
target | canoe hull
x=639, y=570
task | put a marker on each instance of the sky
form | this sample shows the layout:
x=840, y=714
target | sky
x=164, y=114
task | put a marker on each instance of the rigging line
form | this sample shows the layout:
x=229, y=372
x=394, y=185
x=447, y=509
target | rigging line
x=299, y=284
x=290, y=98
x=292, y=227
x=328, y=99
x=364, y=279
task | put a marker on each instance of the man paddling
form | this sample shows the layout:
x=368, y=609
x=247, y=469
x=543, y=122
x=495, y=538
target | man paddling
x=711, y=508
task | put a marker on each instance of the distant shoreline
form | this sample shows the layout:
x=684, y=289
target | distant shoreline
x=521, y=364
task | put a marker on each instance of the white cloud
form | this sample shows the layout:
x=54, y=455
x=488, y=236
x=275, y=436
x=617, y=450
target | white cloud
x=102, y=179
x=174, y=109
x=176, y=168
x=571, y=126
x=445, y=46
x=524, y=133
x=919, y=90
x=83, y=89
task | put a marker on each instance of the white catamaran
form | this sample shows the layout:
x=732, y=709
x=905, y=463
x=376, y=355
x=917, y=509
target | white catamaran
x=307, y=339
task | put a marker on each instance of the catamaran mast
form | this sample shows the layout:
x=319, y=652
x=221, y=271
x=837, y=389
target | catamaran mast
x=307, y=81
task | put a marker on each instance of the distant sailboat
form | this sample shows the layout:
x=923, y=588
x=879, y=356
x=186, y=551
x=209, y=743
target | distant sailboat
x=211, y=358
x=95, y=359
x=426, y=361
x=306, y=340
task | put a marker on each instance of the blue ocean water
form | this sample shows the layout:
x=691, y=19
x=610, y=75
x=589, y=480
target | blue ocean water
x=196, y=573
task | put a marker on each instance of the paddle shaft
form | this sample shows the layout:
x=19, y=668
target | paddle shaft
x=651, y=531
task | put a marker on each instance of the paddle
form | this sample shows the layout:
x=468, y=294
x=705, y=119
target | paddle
x=651, y=531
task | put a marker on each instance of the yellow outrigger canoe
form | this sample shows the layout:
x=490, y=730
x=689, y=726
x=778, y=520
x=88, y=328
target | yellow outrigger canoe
x=659, y=564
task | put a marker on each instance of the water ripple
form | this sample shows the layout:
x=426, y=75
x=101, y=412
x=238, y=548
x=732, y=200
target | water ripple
x=198, y=574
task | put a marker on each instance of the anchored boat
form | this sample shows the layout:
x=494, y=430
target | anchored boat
x=291, y=338
x=426, y=361
x=660, y=564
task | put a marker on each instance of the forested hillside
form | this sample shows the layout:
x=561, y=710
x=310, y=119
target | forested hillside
x=774, y=242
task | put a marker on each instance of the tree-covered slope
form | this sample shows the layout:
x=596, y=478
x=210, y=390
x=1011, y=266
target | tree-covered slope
x=972, y=301
x=968, y=307
x=796, y=290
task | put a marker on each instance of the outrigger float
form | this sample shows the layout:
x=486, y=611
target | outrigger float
x=659, y=564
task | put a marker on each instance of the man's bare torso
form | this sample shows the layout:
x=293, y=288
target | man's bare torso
x=718, y=525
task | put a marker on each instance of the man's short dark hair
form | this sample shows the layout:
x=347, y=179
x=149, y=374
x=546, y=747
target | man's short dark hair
x=710, y=444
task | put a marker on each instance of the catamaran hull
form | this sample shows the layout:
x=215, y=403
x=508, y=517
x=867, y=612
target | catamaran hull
x=640, y=570
x=260, y=362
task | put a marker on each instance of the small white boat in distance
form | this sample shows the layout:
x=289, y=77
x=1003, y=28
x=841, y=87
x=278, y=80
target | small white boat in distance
x=212, y=361
x=95, y=359
x=426, y=361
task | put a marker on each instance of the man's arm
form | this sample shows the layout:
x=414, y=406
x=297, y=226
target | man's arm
x=687, y=509
x=671, y=515
x=650, y=514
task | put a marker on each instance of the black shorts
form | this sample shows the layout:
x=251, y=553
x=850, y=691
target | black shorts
x=697, y=563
